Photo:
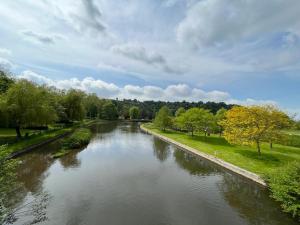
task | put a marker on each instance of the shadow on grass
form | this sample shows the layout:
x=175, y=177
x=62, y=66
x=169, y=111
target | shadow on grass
x=267, y=158
x=209, y=140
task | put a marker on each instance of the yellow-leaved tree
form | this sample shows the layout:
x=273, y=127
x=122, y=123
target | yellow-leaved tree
x=250, y=125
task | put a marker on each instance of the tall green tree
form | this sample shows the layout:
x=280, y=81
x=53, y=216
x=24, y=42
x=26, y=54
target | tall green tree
x=5, y=81
x=134, y=112
x=179, y=111
x=73, y=104
x=163, y=119
x=220, y=115
x=109, y=111
x=28, y=105
x=92, y=105
x=195, y=119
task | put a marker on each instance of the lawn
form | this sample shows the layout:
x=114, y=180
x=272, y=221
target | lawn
x=242, y=156
x=37, y=136
x=9, y=132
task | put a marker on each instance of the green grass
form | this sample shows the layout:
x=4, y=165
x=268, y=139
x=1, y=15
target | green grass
x=292, y=132
x=60, y=153
x=35, y=139
x=78, y=139
x=10, y=132
x=245, y=157
x=37, y=136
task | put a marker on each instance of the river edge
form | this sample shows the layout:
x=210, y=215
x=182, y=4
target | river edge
x=41, y=143
x=235, y=169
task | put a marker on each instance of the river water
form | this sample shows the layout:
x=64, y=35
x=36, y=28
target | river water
x=126, y=177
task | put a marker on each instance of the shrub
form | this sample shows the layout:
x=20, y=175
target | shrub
x=285, y=188
x=78, y=139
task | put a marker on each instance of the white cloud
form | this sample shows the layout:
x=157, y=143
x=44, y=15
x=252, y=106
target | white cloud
x=41, y=38
x=4, y=51
x=218, y=22
x=141, y=54
x=6, y=64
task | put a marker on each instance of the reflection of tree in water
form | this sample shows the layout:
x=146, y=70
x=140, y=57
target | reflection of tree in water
x=30, y=212
x=129, y=127
x=30, y=174
x=70, y=160
x=104, y=128
x=192, y=164
x=161, y=149
x=32, y=170
x=252, y=202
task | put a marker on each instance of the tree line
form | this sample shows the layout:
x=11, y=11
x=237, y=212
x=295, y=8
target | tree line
x=24, y=104
x=244, y=125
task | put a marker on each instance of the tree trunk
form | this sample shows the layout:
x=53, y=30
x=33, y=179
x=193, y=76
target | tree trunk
x=258, y=147
x=19, y=135
x=271, y=145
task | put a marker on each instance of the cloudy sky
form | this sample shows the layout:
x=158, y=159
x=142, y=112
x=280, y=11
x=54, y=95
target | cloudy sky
x=237, y=51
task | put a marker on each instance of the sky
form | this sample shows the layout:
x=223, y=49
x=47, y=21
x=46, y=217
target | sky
x=236, y=51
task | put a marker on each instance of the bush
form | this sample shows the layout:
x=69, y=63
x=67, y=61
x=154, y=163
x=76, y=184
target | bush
x=78, y=139
x=285, y=188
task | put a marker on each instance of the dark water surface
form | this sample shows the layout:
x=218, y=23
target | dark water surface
x=126, y=177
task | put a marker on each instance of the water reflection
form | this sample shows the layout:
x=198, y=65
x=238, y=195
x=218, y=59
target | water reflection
x=161, y=149
x=251, y=201
x=119, y=179
x=71, y=160
x=192, y=164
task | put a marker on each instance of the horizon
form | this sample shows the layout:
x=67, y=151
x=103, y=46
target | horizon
x=167, y=50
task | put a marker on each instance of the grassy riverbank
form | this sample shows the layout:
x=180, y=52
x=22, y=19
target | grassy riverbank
x=80, y=138
x=244, y=157
x=36, y=138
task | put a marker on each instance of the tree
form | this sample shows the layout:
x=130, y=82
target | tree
x=163, y=119
x=5, y=81
x=179, y=111
x=92, y=105
x=73, y=104
x=195, y=119
x=189, y=120
x=134, y=112
x=109, y=111
x=28, y=105
x=278, y=121
x=253, y=124
x=220, y=115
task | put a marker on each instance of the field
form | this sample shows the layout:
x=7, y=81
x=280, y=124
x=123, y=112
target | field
x=245, y=157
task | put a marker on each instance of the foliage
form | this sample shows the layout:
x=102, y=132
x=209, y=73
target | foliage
x=148, y=109
x=195, y=119
x=7, y=181
x=73, y=103
x=253, y=124
x=5, y=81
x=78, y=139
x=179, y=111
x=242, y=156
x=163, y=118
x=134, y=112
x=92, y=105
x=28, y=105
x=220, y=115
x=285, y=188
x=109, y=111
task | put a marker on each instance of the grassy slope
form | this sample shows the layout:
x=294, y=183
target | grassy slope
x=9, y=132
x=36, y=139
x=244, y=157
x=45, y=135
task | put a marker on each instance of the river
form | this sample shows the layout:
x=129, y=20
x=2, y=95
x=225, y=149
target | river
x=126, y=177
